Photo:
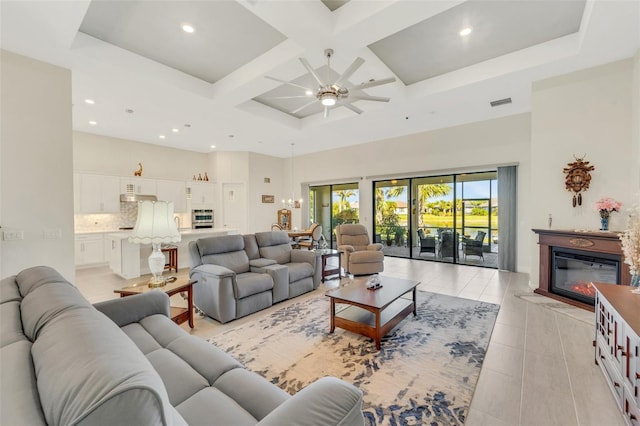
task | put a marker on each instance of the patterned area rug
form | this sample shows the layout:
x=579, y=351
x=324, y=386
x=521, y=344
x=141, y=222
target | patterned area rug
x=425, y=373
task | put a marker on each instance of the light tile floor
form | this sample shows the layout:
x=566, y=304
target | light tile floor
x=538, y=369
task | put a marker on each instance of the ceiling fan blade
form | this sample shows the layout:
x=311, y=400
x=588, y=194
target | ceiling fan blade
x=312, y=71
x=288, y=82
x=303, y=107
x=289, y=97
x=326, y=112
x=357, y=63
x=368, y=98
x=373, y=83
x=353, y=108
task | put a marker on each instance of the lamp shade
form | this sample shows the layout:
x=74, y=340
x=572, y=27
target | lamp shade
x=155, y=224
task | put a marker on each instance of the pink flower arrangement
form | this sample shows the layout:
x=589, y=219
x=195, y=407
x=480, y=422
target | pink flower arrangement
x=607, y=205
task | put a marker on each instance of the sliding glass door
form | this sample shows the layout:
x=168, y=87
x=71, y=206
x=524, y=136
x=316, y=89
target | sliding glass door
x=392, y=216
x=332, y=205
x=451, y=218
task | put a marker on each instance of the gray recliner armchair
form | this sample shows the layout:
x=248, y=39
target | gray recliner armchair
x=359, y=255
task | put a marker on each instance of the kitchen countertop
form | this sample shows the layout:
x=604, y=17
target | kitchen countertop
x=183, y=232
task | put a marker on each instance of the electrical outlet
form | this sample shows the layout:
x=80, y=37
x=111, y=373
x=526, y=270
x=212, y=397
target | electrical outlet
x=13, y=235
x=52, y=234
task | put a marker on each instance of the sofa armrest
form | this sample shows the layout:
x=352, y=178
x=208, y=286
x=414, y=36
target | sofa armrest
x=215, y=270
x=327, y=401
x=346, y=248
x=374, y=247
x=307, y=256
x=261, y=263
x=131, y=309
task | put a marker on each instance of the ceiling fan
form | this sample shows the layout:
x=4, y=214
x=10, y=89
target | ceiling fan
x=338, y=93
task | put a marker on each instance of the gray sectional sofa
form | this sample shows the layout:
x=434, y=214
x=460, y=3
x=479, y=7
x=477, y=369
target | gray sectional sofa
x=242, y=274
x=124, y=362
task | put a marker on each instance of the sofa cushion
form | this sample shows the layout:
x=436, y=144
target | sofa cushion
x=9, y=290
x=251, y=246
x=10, y=324
x=20, y=402
x=298, y=271
x=226, y=250
x=274, y=245
x=251, y=283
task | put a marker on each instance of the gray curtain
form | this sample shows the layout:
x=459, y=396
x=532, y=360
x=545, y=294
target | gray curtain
x=507, y=221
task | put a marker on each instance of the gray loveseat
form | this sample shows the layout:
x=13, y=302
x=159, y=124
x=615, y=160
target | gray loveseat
x=64, y=362
x=242, y=274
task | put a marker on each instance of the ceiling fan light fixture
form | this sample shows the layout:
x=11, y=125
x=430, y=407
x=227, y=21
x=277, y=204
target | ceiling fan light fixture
x=328, y=99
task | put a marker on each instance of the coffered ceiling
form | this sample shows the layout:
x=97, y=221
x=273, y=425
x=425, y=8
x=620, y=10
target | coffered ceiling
x=152, y=82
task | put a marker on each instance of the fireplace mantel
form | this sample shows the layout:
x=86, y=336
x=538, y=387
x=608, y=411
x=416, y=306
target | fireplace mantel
x=591, y=241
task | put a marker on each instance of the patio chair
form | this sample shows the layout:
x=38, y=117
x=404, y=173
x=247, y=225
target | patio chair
x=473, y=246
x=427, y=243
x=448, y=244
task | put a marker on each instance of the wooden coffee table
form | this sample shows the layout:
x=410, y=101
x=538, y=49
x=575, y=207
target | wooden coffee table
x=178, y=314
x=372, y=313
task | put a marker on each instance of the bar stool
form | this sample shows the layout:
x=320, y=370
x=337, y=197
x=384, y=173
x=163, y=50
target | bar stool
x=173, y=257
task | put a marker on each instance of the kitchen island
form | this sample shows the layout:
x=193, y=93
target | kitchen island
x=130, y=260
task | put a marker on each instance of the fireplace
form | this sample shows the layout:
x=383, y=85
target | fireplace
x=570, y=260
x=573, y=271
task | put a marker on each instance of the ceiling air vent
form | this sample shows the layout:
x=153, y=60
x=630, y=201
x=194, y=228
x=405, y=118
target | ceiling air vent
x=500, y=102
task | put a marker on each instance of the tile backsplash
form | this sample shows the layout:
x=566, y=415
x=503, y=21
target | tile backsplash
x=105, y=222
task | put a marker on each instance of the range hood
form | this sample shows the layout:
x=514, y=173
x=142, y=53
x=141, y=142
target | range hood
x=134, y=198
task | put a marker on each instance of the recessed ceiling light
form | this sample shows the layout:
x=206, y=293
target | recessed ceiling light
x=308, y=93
x=188, y=28
x=213, y=146
x=232, y=136
x=162, y=136
x=465, y=31
x=129, y=111
x=174, y=130
x=89, y=101
x=187, y=125
x=93, y=123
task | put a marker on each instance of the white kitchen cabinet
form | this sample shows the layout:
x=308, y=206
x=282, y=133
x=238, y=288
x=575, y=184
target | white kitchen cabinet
x=202, y=194
x=89, y=249
x=174, y=191
x=138, y=185
x=124, y=257
x=99, y=194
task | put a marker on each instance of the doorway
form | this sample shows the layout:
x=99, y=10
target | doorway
x=234, y=201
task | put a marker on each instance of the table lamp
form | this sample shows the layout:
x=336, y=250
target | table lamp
x=155, y=225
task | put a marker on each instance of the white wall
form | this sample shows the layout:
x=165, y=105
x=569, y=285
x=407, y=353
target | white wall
x=262, y=215
x=586, y=113
x=120, y=157
x=472, y=147
x=36, y=188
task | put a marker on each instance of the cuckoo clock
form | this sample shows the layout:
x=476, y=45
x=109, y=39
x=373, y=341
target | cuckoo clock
x=578, y=178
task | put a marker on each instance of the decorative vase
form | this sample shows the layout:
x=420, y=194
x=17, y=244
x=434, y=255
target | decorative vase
x=635, y=281
x=604, y=220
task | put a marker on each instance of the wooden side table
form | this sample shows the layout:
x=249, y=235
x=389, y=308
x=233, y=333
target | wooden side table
x=178, y=314
x=326, y=254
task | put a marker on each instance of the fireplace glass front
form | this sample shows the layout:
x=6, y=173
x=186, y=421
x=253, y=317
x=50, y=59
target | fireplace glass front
x=575, y=270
